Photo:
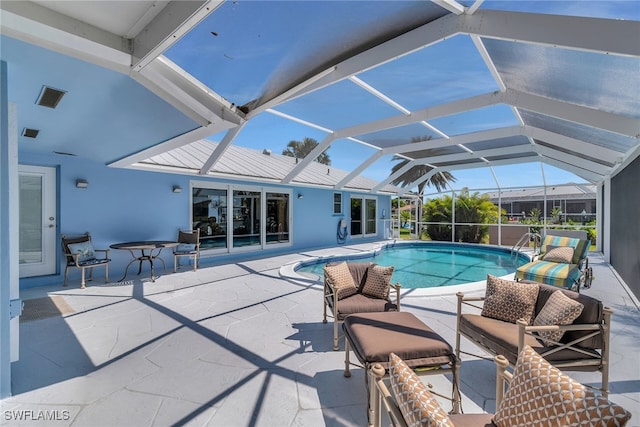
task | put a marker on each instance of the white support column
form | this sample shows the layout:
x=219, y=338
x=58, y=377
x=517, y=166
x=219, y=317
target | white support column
x=10, y=305
x=453, y=216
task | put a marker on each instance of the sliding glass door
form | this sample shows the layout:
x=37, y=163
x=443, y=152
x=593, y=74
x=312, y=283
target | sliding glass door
x=246, y=218
x=242, y=218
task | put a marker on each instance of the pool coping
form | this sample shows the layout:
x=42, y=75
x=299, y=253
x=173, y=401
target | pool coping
x=288, y=272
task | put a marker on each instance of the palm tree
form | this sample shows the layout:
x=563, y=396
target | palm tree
x=438, y=180
x=300, y=150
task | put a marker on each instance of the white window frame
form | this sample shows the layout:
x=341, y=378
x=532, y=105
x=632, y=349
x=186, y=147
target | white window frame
x=340, y=203
x=230, y=188
x=363, y=215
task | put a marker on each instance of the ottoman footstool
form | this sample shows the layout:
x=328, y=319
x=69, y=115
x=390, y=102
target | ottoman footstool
x=372, y=336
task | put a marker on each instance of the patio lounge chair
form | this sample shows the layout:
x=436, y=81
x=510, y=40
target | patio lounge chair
x=80, y=253
x=562, y=261
x=536, y=393
x=188, y=246
x=357, y=287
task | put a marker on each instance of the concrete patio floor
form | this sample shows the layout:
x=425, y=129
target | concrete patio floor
x=239, y=345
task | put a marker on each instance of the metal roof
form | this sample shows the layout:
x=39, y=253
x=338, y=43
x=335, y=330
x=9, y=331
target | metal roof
x=557, y=192
x=245, y=163
x=479, y=84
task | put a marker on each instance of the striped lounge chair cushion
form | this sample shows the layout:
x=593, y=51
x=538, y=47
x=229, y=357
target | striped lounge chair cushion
x=551, y=273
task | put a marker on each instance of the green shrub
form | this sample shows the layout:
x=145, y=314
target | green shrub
x=470, y=208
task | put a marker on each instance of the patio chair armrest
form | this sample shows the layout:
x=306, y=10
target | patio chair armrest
x=382, y=400
x=468, y=300
x=396, y=287
x=106, y=252
x=75, y=257
x=330, y=286
x=503, y=377
x=330, y=291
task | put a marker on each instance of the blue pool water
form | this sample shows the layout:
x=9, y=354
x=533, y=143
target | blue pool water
x=430, y=265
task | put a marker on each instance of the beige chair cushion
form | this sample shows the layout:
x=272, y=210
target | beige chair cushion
x=340, y=277
x=508, y=300
x=559, y=310
x=378, y=281
x=417, y=405
x=539, y=394
x=561, y=254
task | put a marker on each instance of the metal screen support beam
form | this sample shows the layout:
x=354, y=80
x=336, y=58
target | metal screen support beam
x=393, y=176
x=220, y=149
x=175, y=20
x=359, y=169
x=320, y=148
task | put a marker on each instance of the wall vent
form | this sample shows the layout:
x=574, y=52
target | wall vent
x=30, y=133
x=50, y=97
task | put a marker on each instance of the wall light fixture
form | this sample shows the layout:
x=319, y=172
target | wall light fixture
x=82, y=183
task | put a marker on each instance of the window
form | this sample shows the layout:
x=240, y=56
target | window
x=232, y=217
x=277, y=218
x=209, y=214
x=363, y=216
x=337, y=203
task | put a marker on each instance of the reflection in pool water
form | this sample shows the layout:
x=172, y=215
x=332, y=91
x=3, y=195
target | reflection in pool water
x=431, y=264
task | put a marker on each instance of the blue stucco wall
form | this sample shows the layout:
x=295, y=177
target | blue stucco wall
x=126, y=205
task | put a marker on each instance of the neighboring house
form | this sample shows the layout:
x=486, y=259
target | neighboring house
x=577, y=202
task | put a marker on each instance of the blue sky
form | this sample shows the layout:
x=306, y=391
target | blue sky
x=277, y=41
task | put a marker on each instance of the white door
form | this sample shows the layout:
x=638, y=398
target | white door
x=37, y=219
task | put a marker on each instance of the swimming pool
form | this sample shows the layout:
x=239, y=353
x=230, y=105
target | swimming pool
x=431, y=264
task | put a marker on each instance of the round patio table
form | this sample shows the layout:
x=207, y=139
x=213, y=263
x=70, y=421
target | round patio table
x=144, y=251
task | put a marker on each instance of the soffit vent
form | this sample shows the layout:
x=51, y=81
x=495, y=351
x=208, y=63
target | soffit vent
x=30, y=133
x=50, y=97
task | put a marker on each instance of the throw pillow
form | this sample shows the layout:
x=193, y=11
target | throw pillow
x=558, y=310
x=417, y=404
x=508, y=300
x=562, y=254
x=186, y=247
x=578, y=245
x=539, y=394
x=84, y=250
x=378, y=281
x=340, y=278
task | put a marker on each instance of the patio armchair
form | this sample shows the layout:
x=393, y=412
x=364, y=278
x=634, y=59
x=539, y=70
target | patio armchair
x=562, y=261
x=188, y=246
x=357, y=287
x=570, y=330
x=80, y=253
x=535, y=393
